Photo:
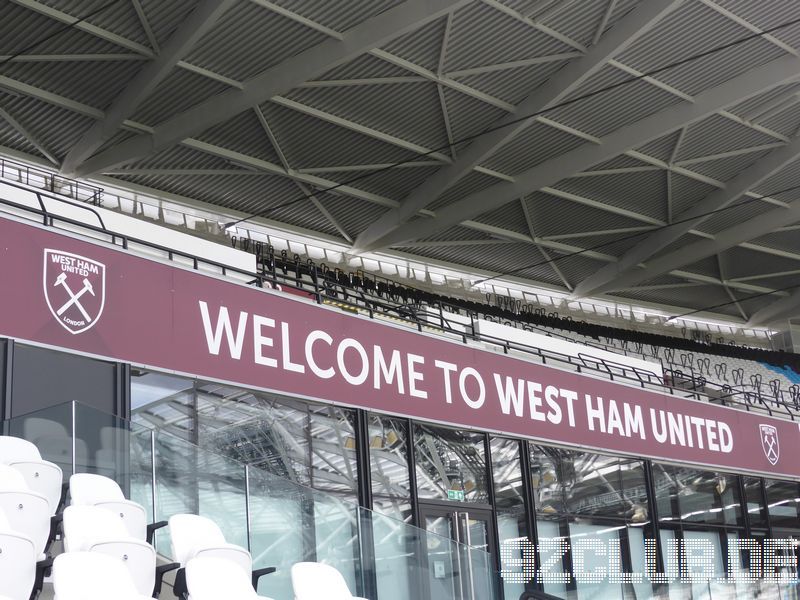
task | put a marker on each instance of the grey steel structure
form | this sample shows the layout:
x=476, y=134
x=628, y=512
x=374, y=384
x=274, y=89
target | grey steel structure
x=249, y=105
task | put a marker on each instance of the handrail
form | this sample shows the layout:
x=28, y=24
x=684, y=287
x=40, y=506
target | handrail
x=323, y=288
x=44, y=210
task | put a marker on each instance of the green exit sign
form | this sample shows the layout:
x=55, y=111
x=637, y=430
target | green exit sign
x=455, y=495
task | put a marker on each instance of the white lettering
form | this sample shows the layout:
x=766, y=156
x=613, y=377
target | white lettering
x=286, y=351
x=462, y=386
x=388, y=372
x=414, y=376
x=447, y=368
x=260, y=340
x=223, y=327
x=312, y=364
x=509, y=395
x=362, y=353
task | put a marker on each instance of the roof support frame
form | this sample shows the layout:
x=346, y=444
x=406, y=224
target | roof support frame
x=276, y=80
x=308, y=192
x=201, y=20
x=28, y=135
x=606, y=278
x=728, y=238
x=631, y=28
x=779, y=310
x=148, y=31
x=617, y=142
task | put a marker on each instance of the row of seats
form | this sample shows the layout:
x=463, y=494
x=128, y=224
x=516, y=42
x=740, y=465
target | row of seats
x=107, y=543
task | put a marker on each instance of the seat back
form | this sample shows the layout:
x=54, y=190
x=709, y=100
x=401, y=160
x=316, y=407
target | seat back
x=17, y=564
x=88, y=489
x=132, y=515
x=26, y=511
x=43, y=477
x=85, y=525
x=14, y=449
x=214, y=578
x=89, y=576
x=94, y=529
x=192, y=533
x=311, y=580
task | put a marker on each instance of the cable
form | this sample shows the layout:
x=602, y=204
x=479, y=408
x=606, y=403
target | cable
x=521, y=119
x=58, y=32
x=639, y=234
x=751, y=297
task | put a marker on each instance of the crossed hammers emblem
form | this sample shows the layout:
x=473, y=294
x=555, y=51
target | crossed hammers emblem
x=770, y=444
x=74, y=298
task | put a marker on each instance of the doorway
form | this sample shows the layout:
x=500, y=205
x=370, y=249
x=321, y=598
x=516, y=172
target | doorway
x=461, y=571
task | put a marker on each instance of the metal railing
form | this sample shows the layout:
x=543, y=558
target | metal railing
x=381, y=300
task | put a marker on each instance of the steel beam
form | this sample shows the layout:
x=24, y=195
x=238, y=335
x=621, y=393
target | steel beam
x=276, y=80
x=690, y=253
x=606, y=278
x=631, y=28
x=191, y=30
x=619, y=141
x=776, y=311
x=28, y=135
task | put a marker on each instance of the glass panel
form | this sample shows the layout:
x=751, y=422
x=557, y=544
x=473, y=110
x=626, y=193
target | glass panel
x=450, y=460
x=636, y=537
x=388, y=447
x=582, y=536
x=675, y=589
x=396, y=552
x=287, y=522
x=549, y=535
x=587, y=484
x=696, y=556
x=509, y=500
x=51, y=430
x=756, y=511
x=443, y=566
x=43, y=378
x=311, y=444
x=783, y=502
x=697, y=496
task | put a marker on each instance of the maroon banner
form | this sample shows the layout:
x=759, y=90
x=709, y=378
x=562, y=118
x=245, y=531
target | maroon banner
x=81, y=296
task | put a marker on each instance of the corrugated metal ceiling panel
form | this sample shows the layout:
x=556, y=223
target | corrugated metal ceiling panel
x=642, y=192
x=177, y=92
x=482, y=35
x=309, y=142
x=249, y=40
x=692, y=30
x=410, y=111
x=552, y=215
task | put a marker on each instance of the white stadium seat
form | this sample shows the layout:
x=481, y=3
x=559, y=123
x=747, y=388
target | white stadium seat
x=27, y=512
x=194, y=536
x=212, y=578
x=17, y=562
x=92, y=576
x=316, y=581
x=87, y=489
x=94, y=529
x=41, y=476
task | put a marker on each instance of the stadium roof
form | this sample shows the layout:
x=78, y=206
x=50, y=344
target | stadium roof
x=259, y=106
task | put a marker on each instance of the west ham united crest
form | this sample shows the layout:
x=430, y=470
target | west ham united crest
x=769, y=443
x=75, y=289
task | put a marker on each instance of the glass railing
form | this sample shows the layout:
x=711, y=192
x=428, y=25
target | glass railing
x=281, y=522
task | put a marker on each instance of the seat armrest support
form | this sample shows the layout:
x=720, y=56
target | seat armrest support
x=161, y=570
x=43, y=568
x=151, y=529
x=179, y=589
x=257, y=573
